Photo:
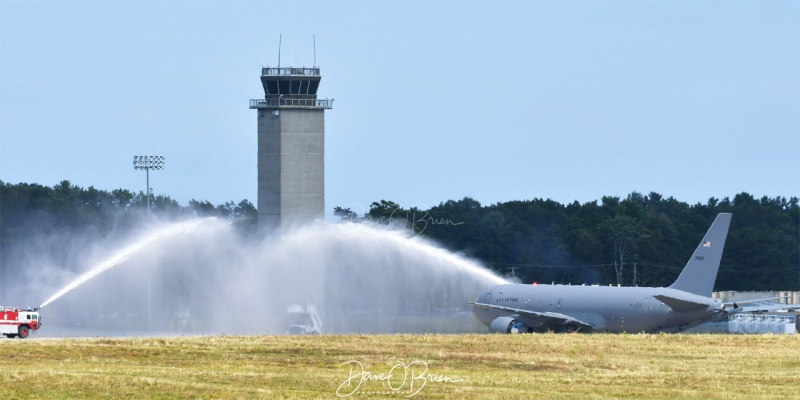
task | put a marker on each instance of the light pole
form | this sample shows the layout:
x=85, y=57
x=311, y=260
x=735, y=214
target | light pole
x=147, y=163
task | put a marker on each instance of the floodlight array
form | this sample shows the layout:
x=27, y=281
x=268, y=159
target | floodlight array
x=148, y=162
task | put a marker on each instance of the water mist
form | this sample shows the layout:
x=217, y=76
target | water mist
x=201, y=277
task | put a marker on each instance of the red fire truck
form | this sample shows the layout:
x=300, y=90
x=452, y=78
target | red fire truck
x=15, y=322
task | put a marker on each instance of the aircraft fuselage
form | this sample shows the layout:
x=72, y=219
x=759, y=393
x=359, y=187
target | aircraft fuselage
x=606, y=308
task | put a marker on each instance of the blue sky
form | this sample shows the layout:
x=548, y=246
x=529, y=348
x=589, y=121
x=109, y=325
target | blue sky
x=439, y=100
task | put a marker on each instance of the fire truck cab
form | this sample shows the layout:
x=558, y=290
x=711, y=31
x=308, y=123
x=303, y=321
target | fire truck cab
x=16, y=322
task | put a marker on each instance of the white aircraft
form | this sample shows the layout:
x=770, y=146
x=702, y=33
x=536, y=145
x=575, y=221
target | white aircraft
x=520, y=308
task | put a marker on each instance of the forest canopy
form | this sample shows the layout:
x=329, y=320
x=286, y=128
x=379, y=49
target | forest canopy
x=642, y=240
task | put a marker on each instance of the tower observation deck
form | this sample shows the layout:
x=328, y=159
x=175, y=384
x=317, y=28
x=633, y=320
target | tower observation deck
x=290, y=87
x=291, y=147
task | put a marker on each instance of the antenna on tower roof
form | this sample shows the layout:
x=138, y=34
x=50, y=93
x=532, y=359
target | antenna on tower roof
x=280, y=37
x=315, y=50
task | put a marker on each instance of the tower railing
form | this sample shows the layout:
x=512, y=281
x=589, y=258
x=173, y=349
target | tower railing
x=290, y=71
x=290, y=102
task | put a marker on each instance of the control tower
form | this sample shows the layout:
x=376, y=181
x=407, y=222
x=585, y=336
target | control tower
x=291, y=148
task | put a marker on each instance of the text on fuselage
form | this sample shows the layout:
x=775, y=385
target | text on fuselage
x=508, y=300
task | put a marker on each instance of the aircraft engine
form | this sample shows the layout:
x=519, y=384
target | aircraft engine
x=508, y=325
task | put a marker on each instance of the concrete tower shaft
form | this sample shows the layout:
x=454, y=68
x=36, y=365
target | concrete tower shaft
x=291, y=148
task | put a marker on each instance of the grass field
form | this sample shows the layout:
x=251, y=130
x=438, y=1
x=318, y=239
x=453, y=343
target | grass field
x=458, y=366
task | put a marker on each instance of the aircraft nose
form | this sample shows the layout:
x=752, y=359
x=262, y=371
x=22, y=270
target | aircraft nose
x=482, y=297
x=480, y=313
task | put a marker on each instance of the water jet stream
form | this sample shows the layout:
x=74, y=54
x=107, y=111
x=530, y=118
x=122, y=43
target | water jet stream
x=210, y=280
x=124, y=254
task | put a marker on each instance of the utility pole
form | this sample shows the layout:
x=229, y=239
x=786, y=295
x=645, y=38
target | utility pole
x=147, y=163
x=513, y=273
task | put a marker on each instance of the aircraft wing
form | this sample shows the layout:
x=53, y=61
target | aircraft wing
x=538, y=317
x=764, y=305
x=678, y=304
x=764, y=308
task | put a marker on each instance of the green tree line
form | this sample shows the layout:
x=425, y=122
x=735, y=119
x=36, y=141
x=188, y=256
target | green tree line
x=30, y=211
x=642, y=240
x=639, y=240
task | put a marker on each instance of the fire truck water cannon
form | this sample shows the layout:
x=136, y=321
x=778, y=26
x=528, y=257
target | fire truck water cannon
x=15, y=322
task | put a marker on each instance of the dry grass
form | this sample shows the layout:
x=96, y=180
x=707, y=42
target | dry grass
x=488, y=366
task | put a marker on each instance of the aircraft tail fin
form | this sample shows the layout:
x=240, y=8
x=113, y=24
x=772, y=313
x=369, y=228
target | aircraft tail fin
x=700, y=273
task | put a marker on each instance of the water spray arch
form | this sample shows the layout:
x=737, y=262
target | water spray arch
x=203, y=277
